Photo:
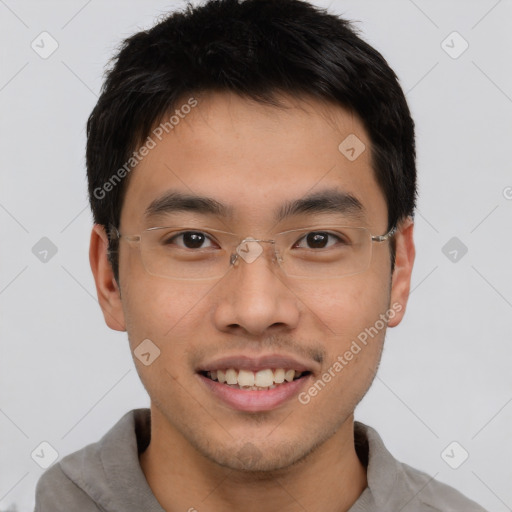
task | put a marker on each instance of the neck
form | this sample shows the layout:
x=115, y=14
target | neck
x=329, y=479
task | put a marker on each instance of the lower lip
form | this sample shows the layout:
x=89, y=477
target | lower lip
x=254, y=401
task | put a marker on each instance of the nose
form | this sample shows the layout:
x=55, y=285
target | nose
x=255, y=296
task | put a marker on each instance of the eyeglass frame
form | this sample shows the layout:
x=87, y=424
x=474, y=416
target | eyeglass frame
x=234, y=258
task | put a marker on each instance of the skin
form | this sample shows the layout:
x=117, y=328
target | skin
x=253, y=158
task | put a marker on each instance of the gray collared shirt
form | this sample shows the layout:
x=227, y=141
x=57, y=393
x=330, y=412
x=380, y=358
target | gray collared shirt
x=106, y=476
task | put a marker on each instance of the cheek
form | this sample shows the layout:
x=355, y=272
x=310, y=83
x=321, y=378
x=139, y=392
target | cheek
x=169, y=315
x=343, y=307
x=349, y=312
x=353, y=335
x=164, y=311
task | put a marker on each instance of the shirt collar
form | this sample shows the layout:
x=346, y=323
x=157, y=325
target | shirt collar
x=382, y=469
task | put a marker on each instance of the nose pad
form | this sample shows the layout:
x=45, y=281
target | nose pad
x=249, y=250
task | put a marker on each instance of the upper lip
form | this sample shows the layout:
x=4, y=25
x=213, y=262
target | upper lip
x=244, y=362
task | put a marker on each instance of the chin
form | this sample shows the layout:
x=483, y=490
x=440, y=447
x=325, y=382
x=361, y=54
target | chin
x=249, y=459
x=261, y=458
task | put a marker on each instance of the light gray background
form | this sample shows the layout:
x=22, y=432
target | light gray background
x=445, y=375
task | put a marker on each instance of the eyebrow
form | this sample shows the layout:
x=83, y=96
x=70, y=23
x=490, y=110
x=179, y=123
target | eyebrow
x=326, y=201
x=177, y=201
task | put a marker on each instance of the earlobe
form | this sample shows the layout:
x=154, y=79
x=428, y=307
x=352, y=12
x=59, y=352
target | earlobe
x=401, y=279
x=108, y=292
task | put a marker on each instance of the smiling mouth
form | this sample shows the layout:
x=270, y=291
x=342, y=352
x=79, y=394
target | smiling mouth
x=261, y=380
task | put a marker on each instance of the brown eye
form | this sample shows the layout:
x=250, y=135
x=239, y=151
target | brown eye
x=317, y=240
x=193, y=240
x=190, y=240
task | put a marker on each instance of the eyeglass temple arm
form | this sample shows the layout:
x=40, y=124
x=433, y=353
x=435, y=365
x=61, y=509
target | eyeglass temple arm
x=114, y=233
x=383, y=238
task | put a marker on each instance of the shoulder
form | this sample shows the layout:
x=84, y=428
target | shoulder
x=394, y=485
x=56, y=492
x=433, y=495
x=90, y=479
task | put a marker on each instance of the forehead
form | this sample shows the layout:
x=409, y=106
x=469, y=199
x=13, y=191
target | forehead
x=255, y=159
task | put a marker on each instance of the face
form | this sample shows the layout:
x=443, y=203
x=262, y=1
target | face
x=253, y=160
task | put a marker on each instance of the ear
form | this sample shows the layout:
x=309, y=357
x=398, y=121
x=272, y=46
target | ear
x=401, y=279
x=109, y=296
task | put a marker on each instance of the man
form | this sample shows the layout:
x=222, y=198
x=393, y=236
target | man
x=252, y=177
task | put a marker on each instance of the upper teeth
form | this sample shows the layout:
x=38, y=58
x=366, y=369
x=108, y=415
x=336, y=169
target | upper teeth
x=262, y=378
